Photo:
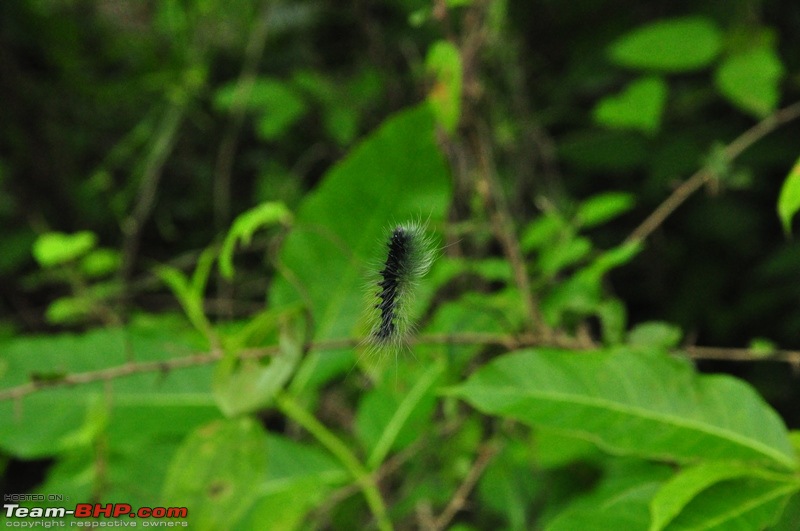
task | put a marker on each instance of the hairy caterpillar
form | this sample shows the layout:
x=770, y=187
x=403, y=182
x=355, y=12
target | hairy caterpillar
x=409, y=257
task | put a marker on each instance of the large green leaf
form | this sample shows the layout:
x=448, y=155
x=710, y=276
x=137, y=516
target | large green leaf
x=298, y=478
x=216, y=471
x=139, y=405
x=395, y=175
x=631, y=402
x=673, y=45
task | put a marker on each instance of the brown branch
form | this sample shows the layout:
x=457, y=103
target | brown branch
x=503, y=228
x=704, y=175
x=227, y=149
x=485, y=454
x=151, y=176
x=791, y=357
x=509, y=342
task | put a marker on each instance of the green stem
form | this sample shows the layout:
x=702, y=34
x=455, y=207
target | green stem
x=360, y=474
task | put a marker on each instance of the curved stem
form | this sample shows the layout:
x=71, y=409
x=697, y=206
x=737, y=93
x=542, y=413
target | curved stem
x=702, y=176
x=360, y=474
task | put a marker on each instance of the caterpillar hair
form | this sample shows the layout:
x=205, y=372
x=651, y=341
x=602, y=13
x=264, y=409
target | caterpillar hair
x=409, y=257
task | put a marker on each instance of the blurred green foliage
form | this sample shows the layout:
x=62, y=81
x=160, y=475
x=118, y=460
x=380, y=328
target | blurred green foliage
x=196, y=194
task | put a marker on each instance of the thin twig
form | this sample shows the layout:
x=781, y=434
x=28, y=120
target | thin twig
x=485, y=454
x=503, y=229
x=230, y=138
x=704, y=175
x=791, y=357
x=227, y=148
x=509, y=342
x=151, y=176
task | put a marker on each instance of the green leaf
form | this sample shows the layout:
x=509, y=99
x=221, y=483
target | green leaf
x=298, y=478
x=674, y=45
x=655, y=334
x=613, y=316
x=602, y=208
x=216, y=471
x=286, y=508
x=242, y=386
x=143, y=406
x=553, y=449
x=341, y=123
x=390, y=421
x=506, y=487
x=690, y=483
x=100, y=262
x=639, y=106
x=761, y=347
x=789, y=199
x=620, y=501
x=610, y=259
x=743, y=503
x=444, y=63
x=750, y=80
x=68, y=310
x=243, y=227
x=563, y=254
x=279, y=105
x=56, y=248
x=183, y=290
x=632, y=402
x=395, y=175
x=542, y=231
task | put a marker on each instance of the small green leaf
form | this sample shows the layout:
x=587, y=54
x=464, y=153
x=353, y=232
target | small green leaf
x=68, y=310
x=675, y=45
x=789, y=199
x=277, y=102
x=563, y=254
x=655, y=334
x=56, y=248
x=613, y=316
x=444, y=63
x=603, y=207
x=761, y=347
x=243, y=227
x=750, y=80
x=542, y=231
x=192, y=305
x=243, y=386
x=100, y=262
x=639, y=106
